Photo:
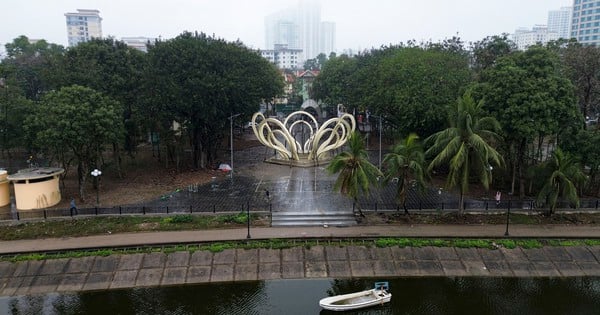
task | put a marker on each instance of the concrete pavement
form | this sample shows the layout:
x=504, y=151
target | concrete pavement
x=360, y=232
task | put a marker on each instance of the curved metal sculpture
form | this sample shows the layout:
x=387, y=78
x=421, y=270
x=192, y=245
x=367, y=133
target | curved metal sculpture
x=283, y=136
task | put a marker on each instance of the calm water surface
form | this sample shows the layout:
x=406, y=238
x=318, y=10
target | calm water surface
x=410, y=296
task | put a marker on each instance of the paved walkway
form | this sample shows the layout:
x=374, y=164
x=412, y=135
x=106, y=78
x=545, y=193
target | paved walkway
x=360, y=232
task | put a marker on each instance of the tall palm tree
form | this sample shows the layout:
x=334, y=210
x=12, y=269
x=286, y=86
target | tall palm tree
x=565, y=174
x=464, y=146
x=404, y=164
x=357, y=174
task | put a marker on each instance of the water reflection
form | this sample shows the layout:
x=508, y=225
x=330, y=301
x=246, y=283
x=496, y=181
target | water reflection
x=410, y=296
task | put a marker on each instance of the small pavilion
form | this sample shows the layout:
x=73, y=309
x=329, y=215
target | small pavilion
x=36, y=188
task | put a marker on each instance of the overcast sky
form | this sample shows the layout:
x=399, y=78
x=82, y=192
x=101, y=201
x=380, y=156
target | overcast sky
x=359, y=24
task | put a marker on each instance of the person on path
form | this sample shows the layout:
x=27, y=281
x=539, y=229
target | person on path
x=498, y=197
x=73, y=208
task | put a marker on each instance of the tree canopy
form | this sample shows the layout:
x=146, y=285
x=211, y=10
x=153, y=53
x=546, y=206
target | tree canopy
x=200, y=81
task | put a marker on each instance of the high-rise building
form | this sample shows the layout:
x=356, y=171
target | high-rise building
x=281, y=28
x=83, y=26
x=309, y=20
x=585, y=26
x=559, y=21
x=539, y=34
x=300, y=28
x=327, y=38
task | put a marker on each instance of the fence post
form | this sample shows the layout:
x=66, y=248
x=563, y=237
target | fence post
x=596, y=204
x=18, y=216
x=167, y=209
x=96, y=210
x=442, y=206
x=144, y=209
x=215, y=208
x=120, y=210
x=44, y=214
x=486, y=205
x=190, y=208
x=420, y=206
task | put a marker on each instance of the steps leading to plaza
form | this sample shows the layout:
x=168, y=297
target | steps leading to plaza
x=287, y=218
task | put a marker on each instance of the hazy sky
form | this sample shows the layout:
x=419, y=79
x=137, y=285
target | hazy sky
x=359, y=24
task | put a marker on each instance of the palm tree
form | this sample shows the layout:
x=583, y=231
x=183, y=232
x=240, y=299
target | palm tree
x=405, y=163
x=463, y=147
x=565, y=173
x=357, y=174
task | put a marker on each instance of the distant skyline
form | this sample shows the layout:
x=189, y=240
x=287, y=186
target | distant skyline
x=359, y=24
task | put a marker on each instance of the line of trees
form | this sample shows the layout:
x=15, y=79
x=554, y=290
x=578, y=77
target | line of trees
x=489, y=111
x=74, y=105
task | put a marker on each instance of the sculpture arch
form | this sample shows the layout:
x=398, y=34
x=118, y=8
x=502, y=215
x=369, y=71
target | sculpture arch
x=315, y=144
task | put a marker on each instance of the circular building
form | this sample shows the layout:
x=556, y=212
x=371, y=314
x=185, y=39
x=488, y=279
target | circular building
x=4, y=192
x=36, y=188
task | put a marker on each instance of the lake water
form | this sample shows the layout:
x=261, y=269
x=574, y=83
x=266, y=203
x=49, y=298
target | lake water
x=410, y=296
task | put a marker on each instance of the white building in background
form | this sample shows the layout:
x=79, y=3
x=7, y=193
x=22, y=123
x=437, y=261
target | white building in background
x=300, y=28
x=83, y=26
x=327, y=38
x=559, y=21
x=539, y=34
x=284, y=57
x=140, y=43
x=585, y=25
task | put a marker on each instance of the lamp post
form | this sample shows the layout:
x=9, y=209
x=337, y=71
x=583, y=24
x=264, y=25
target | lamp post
x=248, y=219
x=380, y=130
x=508, y=214
x=231, y=140
x=96, y=173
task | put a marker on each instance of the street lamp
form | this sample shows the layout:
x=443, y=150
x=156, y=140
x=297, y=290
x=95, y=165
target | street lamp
x=231, y=140
x=380, y=130
x=508, y=213
x=96, y=173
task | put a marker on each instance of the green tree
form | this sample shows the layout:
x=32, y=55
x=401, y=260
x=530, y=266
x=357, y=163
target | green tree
x=585, y=147
x=397, y=82
x=200, y=81
x=356, y=173
x=111, y=67
x=28, y=67
x=582, y=64
x=487, y=51
x=405, y=164
x=565, y=174
x=465, y=147
x=528, y=93
x=76, y=122
x=14, y=108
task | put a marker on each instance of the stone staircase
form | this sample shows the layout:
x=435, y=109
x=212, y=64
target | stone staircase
x=287, y=218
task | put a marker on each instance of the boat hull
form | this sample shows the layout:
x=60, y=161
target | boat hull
x=355, y=300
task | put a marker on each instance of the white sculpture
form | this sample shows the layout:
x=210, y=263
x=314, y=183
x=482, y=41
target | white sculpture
x=282, y=136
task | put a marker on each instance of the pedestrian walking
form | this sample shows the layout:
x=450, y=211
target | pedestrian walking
x=73, y=207
x=498, y=197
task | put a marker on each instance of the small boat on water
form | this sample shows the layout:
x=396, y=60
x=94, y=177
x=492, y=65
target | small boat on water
x=351, y=301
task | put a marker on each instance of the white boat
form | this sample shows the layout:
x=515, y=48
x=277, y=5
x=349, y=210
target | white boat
x=351, y=301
